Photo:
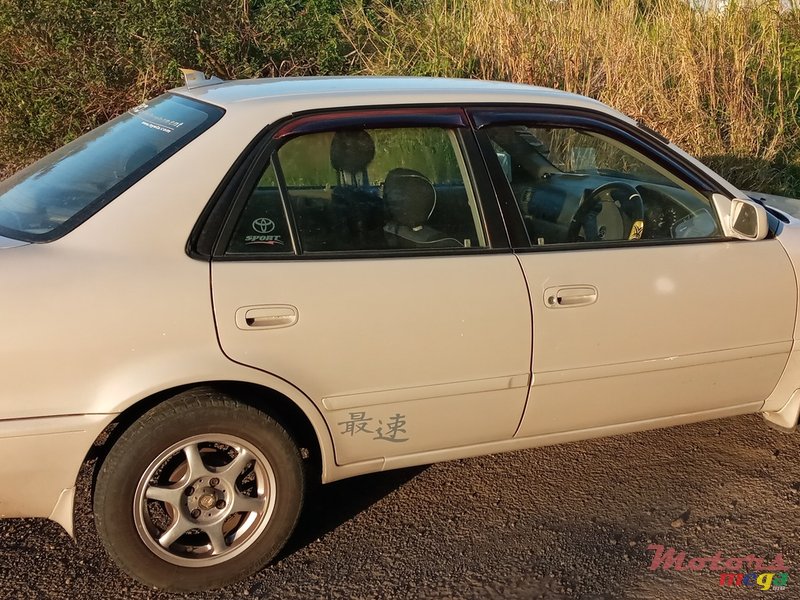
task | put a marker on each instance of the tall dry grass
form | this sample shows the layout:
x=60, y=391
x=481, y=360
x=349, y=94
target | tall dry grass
x=724, y=84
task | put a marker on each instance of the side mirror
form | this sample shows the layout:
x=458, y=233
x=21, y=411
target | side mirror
x=742, y=219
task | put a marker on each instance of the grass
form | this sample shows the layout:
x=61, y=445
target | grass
x=723, y=84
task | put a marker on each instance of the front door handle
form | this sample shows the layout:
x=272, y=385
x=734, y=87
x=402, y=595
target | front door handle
x=266, y=316
x=569, y=296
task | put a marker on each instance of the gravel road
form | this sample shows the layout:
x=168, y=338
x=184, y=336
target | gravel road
x=570, y=521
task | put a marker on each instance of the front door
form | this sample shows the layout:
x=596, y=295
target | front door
x=642, y=309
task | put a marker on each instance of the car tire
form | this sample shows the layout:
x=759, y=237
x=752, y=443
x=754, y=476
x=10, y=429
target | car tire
x=200, y=492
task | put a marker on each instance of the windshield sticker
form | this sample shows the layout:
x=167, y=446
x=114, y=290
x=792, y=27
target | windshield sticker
x=263, y=225
x=159, y=123
x=267, y=240
x=154, y=121
x=266, y=228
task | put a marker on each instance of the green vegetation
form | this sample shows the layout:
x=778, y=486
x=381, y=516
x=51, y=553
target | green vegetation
x=723, y=84
x=305, y=160
x=68, y=65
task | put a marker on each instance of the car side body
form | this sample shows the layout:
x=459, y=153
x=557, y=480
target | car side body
x=381, y=358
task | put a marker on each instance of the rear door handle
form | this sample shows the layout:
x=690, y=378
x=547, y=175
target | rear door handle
x=266, y=316
x=569, y=296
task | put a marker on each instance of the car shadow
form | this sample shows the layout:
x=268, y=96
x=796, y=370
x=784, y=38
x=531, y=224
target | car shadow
x=331, y=505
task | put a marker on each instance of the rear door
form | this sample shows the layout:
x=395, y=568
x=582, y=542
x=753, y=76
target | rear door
x=642, y=309
x=361, y=265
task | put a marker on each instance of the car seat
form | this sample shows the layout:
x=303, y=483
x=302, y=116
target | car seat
x=410, y=200
x=358, y=214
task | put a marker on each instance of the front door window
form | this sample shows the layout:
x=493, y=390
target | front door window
x=575, y=185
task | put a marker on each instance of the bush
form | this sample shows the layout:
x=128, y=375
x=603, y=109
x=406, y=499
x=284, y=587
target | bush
x=68, y=65
x=723, y=84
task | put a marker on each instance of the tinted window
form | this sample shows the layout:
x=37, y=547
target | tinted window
x=368, y=189
x=575, y=185
x=56, y=193
x=262, y=226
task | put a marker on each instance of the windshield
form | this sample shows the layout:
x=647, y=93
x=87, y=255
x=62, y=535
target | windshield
x=57, y=193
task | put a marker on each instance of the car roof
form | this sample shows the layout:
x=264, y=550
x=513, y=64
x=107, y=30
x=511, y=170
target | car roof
x=295, y=94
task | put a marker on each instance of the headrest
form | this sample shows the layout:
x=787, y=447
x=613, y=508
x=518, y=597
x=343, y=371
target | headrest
x=352, y=151
x=409, y=196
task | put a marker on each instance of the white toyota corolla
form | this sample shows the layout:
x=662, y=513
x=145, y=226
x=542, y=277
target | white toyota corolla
x=254, y=284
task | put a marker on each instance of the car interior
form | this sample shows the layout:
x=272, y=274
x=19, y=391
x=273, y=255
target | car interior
x=344, y=207
x=578, y=186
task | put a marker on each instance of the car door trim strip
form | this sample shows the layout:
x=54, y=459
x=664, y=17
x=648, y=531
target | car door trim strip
x=659, y=364
x=439, y=390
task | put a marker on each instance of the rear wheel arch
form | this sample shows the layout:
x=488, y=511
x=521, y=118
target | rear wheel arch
x=223, y=490
x=285, y=410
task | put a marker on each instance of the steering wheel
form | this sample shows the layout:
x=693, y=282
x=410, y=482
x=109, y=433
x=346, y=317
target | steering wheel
x=589, y=207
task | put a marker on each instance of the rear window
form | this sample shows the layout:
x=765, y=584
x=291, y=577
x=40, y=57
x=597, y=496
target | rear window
x=57, y=193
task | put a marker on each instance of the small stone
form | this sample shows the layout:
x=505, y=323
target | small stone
x=681, y=521
x=632, y=543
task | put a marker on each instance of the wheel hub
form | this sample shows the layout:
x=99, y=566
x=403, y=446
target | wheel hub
x=211, y=518
x=206, y=499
